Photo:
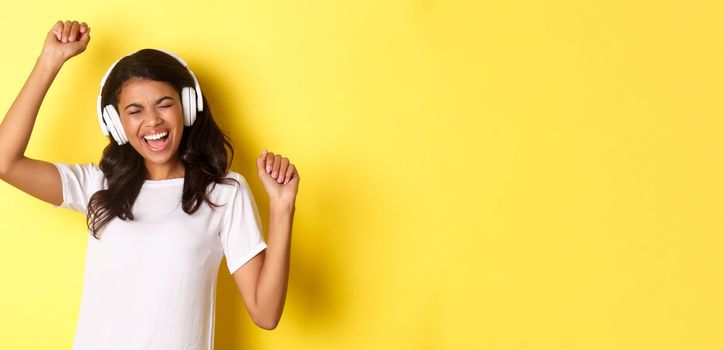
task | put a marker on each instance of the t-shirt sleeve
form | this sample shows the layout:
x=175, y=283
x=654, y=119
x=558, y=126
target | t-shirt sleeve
x=79, y=182
x=241, y=230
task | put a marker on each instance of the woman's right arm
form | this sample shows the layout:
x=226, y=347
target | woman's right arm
x=38, y=178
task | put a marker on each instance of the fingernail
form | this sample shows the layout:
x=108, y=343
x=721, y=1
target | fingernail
x=268, y=169
x=286, y=181
x=280, y=179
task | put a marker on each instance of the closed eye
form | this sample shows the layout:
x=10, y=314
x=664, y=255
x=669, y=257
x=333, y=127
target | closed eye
x=166, y=106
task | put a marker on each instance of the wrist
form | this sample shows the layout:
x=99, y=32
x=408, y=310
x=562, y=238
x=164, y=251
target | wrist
x=50, y=60
x=282, y=207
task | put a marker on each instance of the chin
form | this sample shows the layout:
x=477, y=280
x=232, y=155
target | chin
x=157, y=157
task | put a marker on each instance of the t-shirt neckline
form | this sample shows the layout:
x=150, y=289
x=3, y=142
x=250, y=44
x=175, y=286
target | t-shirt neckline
x=175, y=181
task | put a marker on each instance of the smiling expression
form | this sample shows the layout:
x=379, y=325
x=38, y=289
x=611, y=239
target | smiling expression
x=152, y=117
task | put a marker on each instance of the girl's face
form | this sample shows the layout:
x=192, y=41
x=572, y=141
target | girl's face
x=152, y=117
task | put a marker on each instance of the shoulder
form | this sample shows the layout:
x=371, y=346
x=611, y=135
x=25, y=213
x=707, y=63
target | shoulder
x=238, y=177
x=232, y=183
x=232, y=189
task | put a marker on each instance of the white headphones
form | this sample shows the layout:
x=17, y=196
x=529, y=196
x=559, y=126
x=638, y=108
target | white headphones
x=191, y=100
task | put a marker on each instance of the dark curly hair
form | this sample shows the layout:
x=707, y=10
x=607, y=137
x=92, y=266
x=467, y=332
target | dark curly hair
x=203, y=147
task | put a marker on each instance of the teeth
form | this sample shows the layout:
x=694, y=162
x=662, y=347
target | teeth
x=156, y=136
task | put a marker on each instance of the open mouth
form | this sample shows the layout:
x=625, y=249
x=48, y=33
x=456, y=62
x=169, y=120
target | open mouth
x=157, y=142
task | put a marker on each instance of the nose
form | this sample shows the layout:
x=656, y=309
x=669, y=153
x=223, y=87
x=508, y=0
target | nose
x=154, y=119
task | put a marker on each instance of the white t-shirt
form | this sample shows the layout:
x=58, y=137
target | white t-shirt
x=150, y=283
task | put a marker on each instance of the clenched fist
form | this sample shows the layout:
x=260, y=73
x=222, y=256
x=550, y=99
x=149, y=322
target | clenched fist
x=279, y=177
x=66, y=39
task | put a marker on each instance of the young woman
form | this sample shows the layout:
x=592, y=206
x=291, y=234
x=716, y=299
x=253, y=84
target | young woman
x=162, y=206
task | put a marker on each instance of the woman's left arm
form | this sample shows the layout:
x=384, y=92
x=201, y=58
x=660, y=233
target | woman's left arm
x=263, y=280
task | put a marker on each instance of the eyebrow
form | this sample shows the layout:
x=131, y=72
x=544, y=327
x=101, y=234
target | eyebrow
x=157, y=102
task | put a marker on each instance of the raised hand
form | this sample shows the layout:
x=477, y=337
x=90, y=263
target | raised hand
x=66, y=39
x=279, y=177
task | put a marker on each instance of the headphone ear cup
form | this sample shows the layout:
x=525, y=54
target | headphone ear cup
x=102, y=123
x=117, y=122
x=113, y=122
x=188, y=100
x=109, y=124
x=192, y=106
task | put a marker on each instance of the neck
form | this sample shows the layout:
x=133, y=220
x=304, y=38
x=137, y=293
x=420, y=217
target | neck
x=171, y=170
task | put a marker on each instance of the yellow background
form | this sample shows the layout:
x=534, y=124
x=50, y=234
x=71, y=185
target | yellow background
x=474, y=175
